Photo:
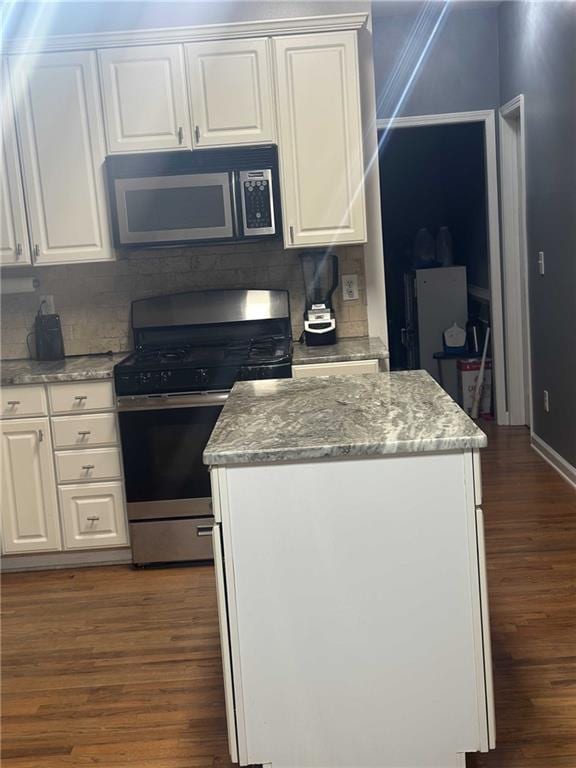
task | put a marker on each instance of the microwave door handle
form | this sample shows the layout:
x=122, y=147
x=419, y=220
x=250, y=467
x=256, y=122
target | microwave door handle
x=236, y=223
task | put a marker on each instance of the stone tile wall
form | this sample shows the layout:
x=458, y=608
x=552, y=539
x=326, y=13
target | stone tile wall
x=93, y=300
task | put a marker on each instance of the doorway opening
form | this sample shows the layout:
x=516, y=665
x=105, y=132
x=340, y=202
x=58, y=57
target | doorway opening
x=515, y=261
x=439, y=204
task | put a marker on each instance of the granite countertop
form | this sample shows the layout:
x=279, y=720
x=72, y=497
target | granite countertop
x=334, y=416
x=355, y=348
x=77, y=368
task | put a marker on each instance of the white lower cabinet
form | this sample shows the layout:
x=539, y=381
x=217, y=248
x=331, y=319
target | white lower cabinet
x=62, y=486
x=29, y=505
x=93, y=515
x=354, y=612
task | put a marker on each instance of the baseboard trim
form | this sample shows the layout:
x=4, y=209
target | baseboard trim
x=556, y=461
x=51, y=560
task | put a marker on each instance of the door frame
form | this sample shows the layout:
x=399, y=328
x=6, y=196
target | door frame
x=512, y=132
x=488, y=119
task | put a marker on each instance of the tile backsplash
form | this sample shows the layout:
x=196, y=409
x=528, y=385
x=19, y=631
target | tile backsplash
x=93, y=300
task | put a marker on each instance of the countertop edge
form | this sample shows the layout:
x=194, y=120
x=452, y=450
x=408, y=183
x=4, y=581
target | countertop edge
x=359, y=450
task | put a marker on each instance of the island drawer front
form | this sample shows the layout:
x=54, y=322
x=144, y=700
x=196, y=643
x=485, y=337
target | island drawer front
x=16, y=402
x=93, y=515
x=84, y=431
x=335, y=369
x=81, y=396
x=88, y=465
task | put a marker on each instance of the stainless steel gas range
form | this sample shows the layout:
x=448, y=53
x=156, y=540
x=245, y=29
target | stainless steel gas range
x=190, y=348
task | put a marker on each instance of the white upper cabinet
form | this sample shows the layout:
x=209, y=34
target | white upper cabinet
x=320, y=139
x=29, y=504
x=144, y=92
x=62, y=141
x=14, y=245
x=230, y=90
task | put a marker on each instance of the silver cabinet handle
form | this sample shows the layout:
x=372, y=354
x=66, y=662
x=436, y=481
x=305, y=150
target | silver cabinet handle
x=93, y=519
x=13, y=402
x=87, y=467
x=80, y=398
x=291, y=228
x=36, y=251
x=197, y=133
x=204, y=530
x=180, y=135
x=18, y=251
x=83, y=432
x=40, y=435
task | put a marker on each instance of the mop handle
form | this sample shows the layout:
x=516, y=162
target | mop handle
x=480, y=379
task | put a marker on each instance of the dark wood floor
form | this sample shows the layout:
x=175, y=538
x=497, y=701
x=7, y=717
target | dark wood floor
x=120, y=668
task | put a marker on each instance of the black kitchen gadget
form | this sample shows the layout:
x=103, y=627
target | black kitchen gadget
x=48, y=337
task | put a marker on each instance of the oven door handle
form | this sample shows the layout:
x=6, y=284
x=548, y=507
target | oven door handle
x=163, y=402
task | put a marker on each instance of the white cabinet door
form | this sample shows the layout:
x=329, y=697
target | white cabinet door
x=320, y=139
x=62, y=140
x=93, y=515
x=144, y=92
x=29, y=504
x=230, y=92
x=14, y=244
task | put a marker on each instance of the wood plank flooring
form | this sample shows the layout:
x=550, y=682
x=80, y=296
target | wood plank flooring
x=530, y=518
x=120, y=668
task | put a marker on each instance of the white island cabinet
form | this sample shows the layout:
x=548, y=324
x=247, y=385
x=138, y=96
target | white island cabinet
x=350, y=569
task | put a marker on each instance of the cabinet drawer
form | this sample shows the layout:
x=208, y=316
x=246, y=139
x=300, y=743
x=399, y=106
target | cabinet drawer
x=80, y=396
x=22, y=401
x=88, y=465
x=84, y=431
x=335, y=369
x=93, y=515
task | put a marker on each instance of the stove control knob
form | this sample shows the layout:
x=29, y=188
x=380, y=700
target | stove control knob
x=165, y=376
x=201, y=376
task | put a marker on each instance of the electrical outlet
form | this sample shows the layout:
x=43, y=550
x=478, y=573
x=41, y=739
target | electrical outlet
x=541, y=267
x=349, y=287
x=546, y=401
x=48, y=306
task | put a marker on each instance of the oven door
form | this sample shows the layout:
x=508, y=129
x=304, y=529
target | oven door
x=174, y=209
x=163, y=438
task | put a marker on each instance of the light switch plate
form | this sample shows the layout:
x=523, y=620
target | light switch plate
x=349, y=287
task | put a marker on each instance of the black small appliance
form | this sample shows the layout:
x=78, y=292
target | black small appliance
x=320, y=271
x=48, y=336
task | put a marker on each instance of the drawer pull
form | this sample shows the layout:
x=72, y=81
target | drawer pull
x=84, y=432
x=80, y=398
x=13, y=403
x=204, y=530
x=87, y=467
x=93, y=519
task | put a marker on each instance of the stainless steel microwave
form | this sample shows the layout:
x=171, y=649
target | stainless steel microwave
x=178, y=198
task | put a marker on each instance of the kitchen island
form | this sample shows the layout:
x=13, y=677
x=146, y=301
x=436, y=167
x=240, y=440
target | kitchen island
x=351, y=577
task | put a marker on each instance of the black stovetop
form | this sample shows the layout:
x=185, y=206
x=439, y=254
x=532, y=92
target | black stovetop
x=199, y=367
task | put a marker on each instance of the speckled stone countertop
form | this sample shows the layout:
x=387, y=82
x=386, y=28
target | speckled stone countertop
x=335, y=416
x=356, y=348
x=77, y=368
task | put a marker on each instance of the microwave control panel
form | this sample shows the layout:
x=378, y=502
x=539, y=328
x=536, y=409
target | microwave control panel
x=257, y=203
